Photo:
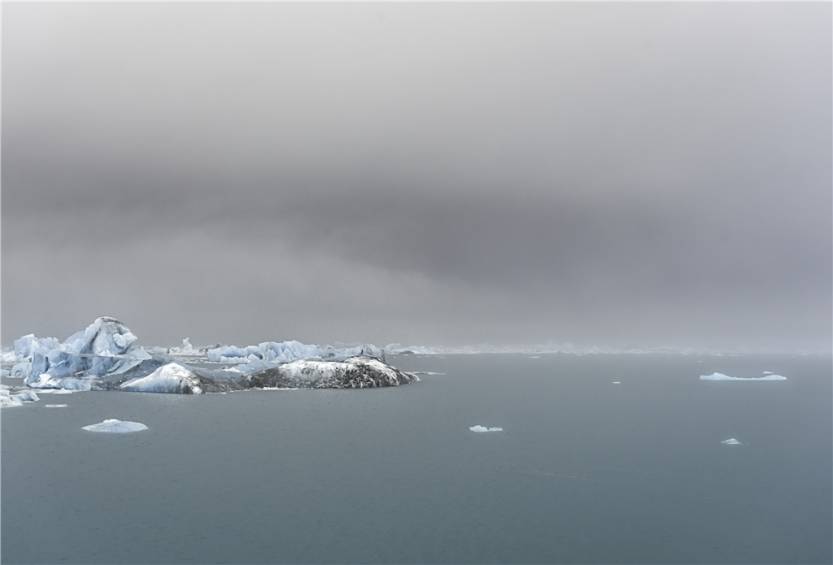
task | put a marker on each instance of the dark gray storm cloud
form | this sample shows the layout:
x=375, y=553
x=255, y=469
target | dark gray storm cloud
x=615, y=174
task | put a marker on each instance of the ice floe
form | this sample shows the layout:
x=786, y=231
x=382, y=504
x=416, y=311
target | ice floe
x=483, y=429
x=169, y=378
x=186, y=349
x=113, y=426
x=9, y=398
x=616, y=382
x=731, y=441
x=722, y=377
x=55, y=405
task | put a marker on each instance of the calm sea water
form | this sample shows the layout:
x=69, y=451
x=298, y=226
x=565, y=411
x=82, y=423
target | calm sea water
x=585, y=472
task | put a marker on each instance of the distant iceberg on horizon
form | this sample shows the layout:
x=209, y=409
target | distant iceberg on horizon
x=768, y=376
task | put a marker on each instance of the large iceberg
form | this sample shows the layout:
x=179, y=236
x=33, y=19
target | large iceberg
x=105, y=347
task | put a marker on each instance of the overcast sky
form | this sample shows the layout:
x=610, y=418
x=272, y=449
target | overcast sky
x=612, y=174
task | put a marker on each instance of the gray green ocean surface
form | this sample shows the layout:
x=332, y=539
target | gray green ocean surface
x=585, y=471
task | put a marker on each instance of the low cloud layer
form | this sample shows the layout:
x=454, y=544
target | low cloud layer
x=616, y=174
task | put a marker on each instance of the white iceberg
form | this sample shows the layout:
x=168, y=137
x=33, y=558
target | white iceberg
x=113, y=426
x=616, y=382
x=186, y=350
x=55, y=405
x=170, y=378
x=722, y=377
x=731, y=441
x=27, y=395
x=10, y=399
x=483, y=429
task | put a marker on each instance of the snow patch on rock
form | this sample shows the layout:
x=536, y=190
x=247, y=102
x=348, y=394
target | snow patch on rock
x=170, y=378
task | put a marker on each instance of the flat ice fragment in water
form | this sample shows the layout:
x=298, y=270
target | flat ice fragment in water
x=617, y=382
x=55, y=405
x=722, y=377
x=113, y=426
x=731, y=441
x=482, y=429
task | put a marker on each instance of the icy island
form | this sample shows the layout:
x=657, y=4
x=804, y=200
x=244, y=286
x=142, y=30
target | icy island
x=106, y=356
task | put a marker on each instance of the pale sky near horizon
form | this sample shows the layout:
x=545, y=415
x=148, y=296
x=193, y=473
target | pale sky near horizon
x=627, y=174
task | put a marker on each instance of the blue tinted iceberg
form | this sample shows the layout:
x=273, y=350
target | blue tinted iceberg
x=105, y=347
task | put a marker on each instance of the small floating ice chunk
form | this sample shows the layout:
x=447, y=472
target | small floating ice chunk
x=731, y=441
x=114, y=426
x=55, y=405
x=722, y=377
x=616, y=382
x=27, y=395
x=483, y=429
x=10, y=399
